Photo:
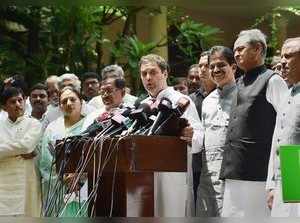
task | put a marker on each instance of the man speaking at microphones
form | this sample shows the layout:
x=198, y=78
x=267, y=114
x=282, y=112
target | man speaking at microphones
x=173, y=191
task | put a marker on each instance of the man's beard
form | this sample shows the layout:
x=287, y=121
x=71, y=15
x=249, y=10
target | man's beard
x=39, y=108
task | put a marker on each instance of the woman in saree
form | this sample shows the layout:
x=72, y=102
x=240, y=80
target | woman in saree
x=56, y=200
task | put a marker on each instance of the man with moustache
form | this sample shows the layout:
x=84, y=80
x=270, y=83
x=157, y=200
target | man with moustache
x=250, y=129
x=112, y=92
x=287, y=129
x=112, y=71
x=52, y=90
x=90, y=85
x=193, y=79
x=38, y=98
x=181, y=85
x=207, y=86
x=67, y=79
x=215, y=116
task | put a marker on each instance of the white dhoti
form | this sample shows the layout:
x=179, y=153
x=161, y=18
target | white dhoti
x=245, y=199
x=170, y=197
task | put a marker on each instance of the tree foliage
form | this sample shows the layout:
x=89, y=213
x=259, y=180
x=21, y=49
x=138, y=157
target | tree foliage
x=133, y=49
x=51, y=40
x=272, y=19
x=194, y=37
x=39, y=41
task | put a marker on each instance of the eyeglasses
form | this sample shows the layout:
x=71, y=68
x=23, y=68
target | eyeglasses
x=108, y=91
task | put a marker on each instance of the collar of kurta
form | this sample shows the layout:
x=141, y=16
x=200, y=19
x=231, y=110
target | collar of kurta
x=161, y=94
x=295, y=89
x=226, y=89
x=41, y=119
x=253, y=73
x=199, y=93
x=19, y=119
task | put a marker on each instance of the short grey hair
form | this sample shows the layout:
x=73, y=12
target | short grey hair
x=52, y=78
x=69, y=76
x=295, y=41
x=114, y=71
x=292, y=39
x=253, y=36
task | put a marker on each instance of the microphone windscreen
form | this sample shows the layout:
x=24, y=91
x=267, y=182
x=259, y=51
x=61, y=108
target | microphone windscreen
x=182, y=105
x=104, y=116
x=145, y=108
x=165, y=104
x=117, y=119
x=126, y=112
x=137, y=103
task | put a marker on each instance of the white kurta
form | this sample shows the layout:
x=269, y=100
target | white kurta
x=286, y=132
x=215, y=117
x=19, y=184
x=174, y=191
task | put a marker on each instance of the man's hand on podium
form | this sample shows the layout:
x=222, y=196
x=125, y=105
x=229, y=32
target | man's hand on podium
x=270, y=198
x=187, y=134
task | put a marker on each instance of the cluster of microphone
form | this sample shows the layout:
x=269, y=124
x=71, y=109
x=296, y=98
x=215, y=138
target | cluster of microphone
x=143, y=119
x=153, y=118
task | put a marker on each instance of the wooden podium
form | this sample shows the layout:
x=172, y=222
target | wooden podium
x=127, y=182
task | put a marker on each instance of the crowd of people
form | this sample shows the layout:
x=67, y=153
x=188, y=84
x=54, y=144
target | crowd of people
x=236, y=125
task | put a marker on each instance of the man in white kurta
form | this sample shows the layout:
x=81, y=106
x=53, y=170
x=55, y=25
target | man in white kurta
x=112, y=71
x=19, y=135
x=287, y=131
x=173, y=191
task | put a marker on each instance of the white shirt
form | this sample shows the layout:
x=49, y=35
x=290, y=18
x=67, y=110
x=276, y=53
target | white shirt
x=276, y=91
x=3, y=115
x=216, y=109
x=190, y=114
x=19, y=137
x=286, y=131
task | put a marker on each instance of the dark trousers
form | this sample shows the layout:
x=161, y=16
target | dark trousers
x=196, y=168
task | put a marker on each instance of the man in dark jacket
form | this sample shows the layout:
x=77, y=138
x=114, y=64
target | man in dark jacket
x=250, y=129
x=207, y=86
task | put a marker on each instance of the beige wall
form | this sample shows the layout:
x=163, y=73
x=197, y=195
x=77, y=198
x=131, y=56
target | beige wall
x=152, y=27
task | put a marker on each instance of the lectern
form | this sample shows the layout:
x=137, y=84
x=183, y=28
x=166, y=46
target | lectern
x=126, y=187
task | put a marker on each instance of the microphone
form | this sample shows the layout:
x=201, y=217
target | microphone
x=104, y=121
x=173, y=124
x=181, y=107
x=116, y=121
x=164, y=107
x=92, y=130
x=123, y=124
x=140, y=117
x=145, y=128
